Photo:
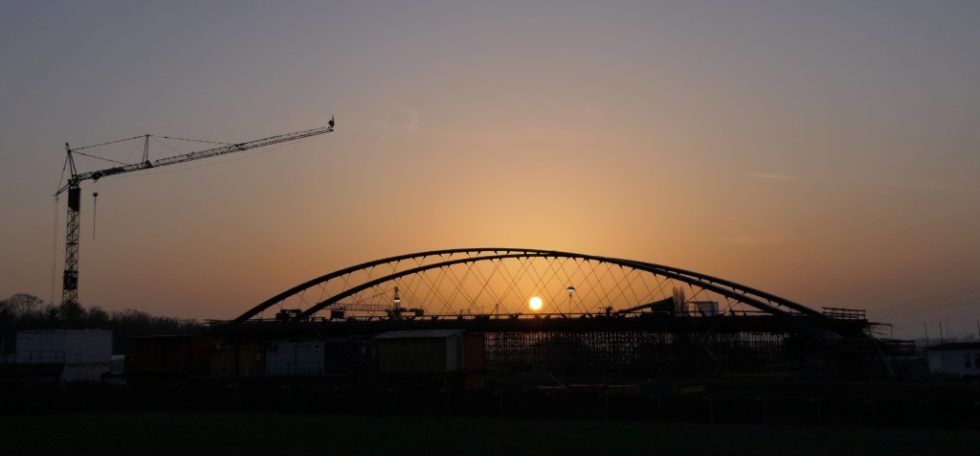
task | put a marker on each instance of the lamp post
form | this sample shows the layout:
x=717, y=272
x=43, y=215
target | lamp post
x=396, y=308
x=571, y=291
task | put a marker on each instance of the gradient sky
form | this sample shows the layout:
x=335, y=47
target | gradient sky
x=825, y=151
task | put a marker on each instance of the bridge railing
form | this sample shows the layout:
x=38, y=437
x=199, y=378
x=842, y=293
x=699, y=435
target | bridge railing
x=842, y=313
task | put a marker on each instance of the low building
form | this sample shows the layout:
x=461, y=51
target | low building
x=961, y=359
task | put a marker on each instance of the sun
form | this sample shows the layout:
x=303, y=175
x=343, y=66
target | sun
x=535, y=303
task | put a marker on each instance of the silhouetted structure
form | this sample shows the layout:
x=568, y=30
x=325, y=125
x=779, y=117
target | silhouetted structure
x=626, y=319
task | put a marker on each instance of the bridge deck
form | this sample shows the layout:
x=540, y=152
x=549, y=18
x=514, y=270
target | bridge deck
x=651, y=322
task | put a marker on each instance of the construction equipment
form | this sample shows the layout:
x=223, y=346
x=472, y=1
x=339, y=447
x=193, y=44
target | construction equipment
x=69, y=296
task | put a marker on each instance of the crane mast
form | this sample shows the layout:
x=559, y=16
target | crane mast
x=69, y=295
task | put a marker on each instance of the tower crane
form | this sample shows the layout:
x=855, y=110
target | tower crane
x=69, y=295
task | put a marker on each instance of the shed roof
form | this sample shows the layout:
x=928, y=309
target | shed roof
x=953, y=346
x=64, y=331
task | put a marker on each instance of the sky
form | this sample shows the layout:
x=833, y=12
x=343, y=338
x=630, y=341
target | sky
x=828, y=152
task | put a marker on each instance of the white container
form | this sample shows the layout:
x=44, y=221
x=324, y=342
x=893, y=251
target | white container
x=41, y=347
x=960, y=359
x=64, y=346
x=286, y=359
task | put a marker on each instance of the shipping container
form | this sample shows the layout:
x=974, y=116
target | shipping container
x=82, y=355
x=960, y=359
x=474, y=351
x=299, y=358
x=420, y=352
x=168, y=355
x=40, y=347
x=344, y=356
x=233, y=358
x=64, y=346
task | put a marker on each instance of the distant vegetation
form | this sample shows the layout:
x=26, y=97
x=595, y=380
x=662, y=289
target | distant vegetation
x=23, y=311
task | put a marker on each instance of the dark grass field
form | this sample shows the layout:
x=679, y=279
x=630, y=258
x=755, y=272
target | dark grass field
x=301, y=434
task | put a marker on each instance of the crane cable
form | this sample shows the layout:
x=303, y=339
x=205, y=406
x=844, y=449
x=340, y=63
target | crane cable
x=100, y=158
x=76, y=149
x=192, y=140
x=54, y=249
x=54, y=231
x=95, y=207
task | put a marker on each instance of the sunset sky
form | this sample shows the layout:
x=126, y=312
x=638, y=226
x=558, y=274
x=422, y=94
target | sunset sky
x=824, y=151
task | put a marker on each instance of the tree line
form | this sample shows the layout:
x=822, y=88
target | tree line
x=24, y=311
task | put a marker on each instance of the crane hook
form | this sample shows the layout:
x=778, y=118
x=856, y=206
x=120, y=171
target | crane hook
x=95, y=206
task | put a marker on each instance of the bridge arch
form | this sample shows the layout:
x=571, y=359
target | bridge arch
x=385, y=274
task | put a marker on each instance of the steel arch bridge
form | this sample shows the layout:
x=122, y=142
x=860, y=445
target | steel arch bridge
x=498, y=282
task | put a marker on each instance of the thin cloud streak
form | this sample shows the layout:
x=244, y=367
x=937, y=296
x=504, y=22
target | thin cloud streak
x=762, y=240
x=932, y=186
x=774, y=177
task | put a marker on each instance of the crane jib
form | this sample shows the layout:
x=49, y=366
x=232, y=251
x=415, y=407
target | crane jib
x=207, y=153
x=72, y=238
